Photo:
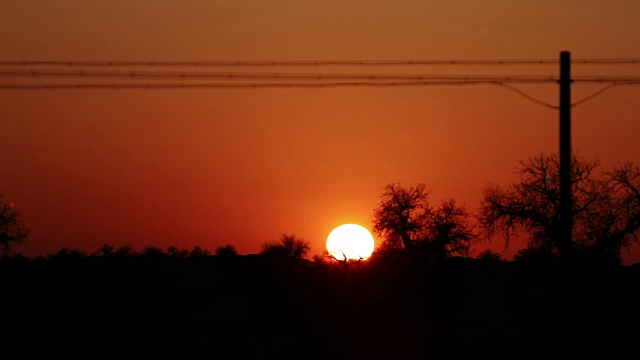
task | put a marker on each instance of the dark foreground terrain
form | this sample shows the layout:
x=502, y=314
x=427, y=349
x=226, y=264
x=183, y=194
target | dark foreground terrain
x=253, y=307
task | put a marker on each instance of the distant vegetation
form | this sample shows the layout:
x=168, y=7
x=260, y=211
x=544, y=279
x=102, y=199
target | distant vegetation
x=183, y=303
x=606, y=220
x=420, y=295
x=288, y=247
x=12, y=232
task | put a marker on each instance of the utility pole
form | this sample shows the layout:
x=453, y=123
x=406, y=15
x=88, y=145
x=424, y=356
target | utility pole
x=566, y=222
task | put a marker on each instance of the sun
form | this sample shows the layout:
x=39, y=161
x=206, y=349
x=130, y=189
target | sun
x=350, y=241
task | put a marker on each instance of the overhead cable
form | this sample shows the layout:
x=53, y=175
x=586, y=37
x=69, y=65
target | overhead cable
x=261, y=63
x=45, y=73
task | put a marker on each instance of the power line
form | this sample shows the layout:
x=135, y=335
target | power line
x=605, y=79
x=54, y=86
x=237, y=85
x=527, y=96
x=243, y=80
x=263, y=63
x=303, y=76
x=268, y=76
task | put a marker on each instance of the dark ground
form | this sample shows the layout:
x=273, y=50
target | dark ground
x=250, y=307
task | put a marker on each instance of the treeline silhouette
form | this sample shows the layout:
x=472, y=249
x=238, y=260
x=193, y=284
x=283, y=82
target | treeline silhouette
x=420, y=295
x=186, y=304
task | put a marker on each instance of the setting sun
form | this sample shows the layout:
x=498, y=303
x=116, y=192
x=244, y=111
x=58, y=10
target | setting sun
x=350, y=241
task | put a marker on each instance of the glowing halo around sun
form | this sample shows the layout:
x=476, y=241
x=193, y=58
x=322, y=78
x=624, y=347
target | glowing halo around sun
x=351, y=241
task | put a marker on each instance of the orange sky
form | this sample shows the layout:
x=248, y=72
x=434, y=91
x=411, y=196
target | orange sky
x=211, y=167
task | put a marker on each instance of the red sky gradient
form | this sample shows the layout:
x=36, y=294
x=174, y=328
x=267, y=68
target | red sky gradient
x=211, y=167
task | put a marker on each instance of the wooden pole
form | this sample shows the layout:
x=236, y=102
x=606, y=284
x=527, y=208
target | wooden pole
x=566, y=223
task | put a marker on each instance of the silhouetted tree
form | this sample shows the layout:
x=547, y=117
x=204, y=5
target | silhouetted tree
x=605, y=211
x=288, y=247
x=226, y=250
x=386, y=250
x=320, y=260
x=152, y=251
x=105, y=250
x=341, y=260
x=12, y=232
x=449, y=230
x=175, y=252
x=198, y=251
x=401, y=216
x=611, y=224
x=68, y=254
x=125, y=251
x=405, y=219
x=489, y=255
x=531, y=254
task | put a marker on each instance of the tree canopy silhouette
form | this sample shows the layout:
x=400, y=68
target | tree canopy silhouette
x=289, y=246
x=406, y=219
x=226, y=250
x=605, y=208
x=12, y=232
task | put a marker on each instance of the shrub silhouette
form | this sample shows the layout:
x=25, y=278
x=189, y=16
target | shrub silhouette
x=226, y=250
x=289, y=247
x=198, y=252
x=12, y=232
x=489, y=255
